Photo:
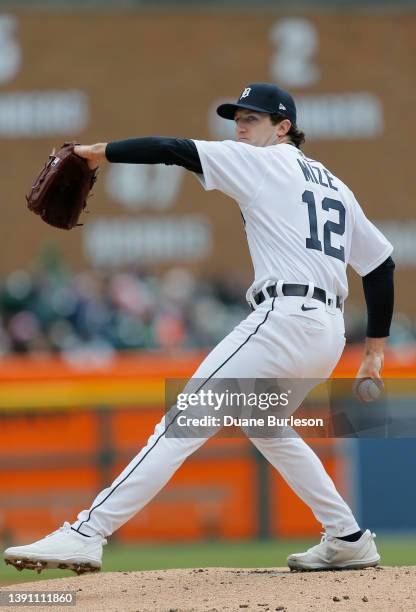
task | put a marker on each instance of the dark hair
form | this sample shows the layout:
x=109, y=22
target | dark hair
x=295, y=134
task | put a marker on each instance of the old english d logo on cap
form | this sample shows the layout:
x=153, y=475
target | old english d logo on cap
x=264, y=98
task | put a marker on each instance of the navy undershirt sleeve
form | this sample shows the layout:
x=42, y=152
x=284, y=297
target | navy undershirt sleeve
x=155, y=150
x=378, y=288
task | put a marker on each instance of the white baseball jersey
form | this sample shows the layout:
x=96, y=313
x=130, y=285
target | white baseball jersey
x=302, y=223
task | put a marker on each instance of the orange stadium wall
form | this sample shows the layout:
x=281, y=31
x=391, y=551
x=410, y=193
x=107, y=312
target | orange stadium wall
x=66, y=433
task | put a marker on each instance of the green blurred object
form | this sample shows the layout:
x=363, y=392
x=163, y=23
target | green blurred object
x=393, y=550
x=51, y=261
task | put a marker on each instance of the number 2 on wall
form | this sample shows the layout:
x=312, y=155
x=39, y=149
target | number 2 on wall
x=330, y=227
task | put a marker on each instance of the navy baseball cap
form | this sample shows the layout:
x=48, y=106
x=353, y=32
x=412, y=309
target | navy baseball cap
x=262, y=97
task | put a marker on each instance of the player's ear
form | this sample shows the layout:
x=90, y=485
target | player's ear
x=283, y=127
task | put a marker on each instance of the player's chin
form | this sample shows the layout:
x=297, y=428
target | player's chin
x=246, y=140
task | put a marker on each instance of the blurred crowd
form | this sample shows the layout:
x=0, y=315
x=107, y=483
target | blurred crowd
x=55, y=310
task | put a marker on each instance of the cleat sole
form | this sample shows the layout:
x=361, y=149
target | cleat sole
x=39, y=565
x=332, y=568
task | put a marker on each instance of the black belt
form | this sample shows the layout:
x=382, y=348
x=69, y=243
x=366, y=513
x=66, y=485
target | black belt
x=297, y=290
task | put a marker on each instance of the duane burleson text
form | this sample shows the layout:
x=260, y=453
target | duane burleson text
x=230, y=421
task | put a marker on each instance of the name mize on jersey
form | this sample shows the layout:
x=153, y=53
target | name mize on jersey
x=314, y=174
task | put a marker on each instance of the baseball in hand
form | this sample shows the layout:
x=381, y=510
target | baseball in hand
x=368, y=389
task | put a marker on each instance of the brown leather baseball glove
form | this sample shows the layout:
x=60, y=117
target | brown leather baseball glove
x=60, y=192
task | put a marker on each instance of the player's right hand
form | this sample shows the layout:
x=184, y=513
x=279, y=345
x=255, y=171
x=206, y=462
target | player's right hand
x=373, y=360
x=368, y=383
x=371, y=365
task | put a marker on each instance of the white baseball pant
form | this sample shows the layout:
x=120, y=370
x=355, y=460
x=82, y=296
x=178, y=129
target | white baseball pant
x=277, y=340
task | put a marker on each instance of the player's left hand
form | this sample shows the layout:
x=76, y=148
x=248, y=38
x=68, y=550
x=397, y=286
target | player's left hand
x=60, y=191
x=94, y=154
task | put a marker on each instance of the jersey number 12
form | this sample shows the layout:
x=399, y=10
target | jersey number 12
x=330, y=227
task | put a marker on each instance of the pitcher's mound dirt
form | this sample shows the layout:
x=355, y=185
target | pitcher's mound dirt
x=388, y=589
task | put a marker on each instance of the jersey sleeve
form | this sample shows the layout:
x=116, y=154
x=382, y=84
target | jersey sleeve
x=234, y=168
x=369, y=247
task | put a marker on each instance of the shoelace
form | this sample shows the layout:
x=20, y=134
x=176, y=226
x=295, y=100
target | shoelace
x=325, y=537
x=67, y=527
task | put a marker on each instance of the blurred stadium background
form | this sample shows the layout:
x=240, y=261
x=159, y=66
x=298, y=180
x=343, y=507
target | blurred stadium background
x=93, y=321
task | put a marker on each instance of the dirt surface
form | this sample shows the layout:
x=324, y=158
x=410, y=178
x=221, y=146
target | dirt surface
x=391, y=589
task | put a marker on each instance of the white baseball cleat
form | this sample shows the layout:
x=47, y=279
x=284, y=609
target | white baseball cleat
x=333, y=553
x=62, y=549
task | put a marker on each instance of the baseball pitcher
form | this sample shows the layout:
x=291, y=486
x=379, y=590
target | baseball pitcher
x=303, y=227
